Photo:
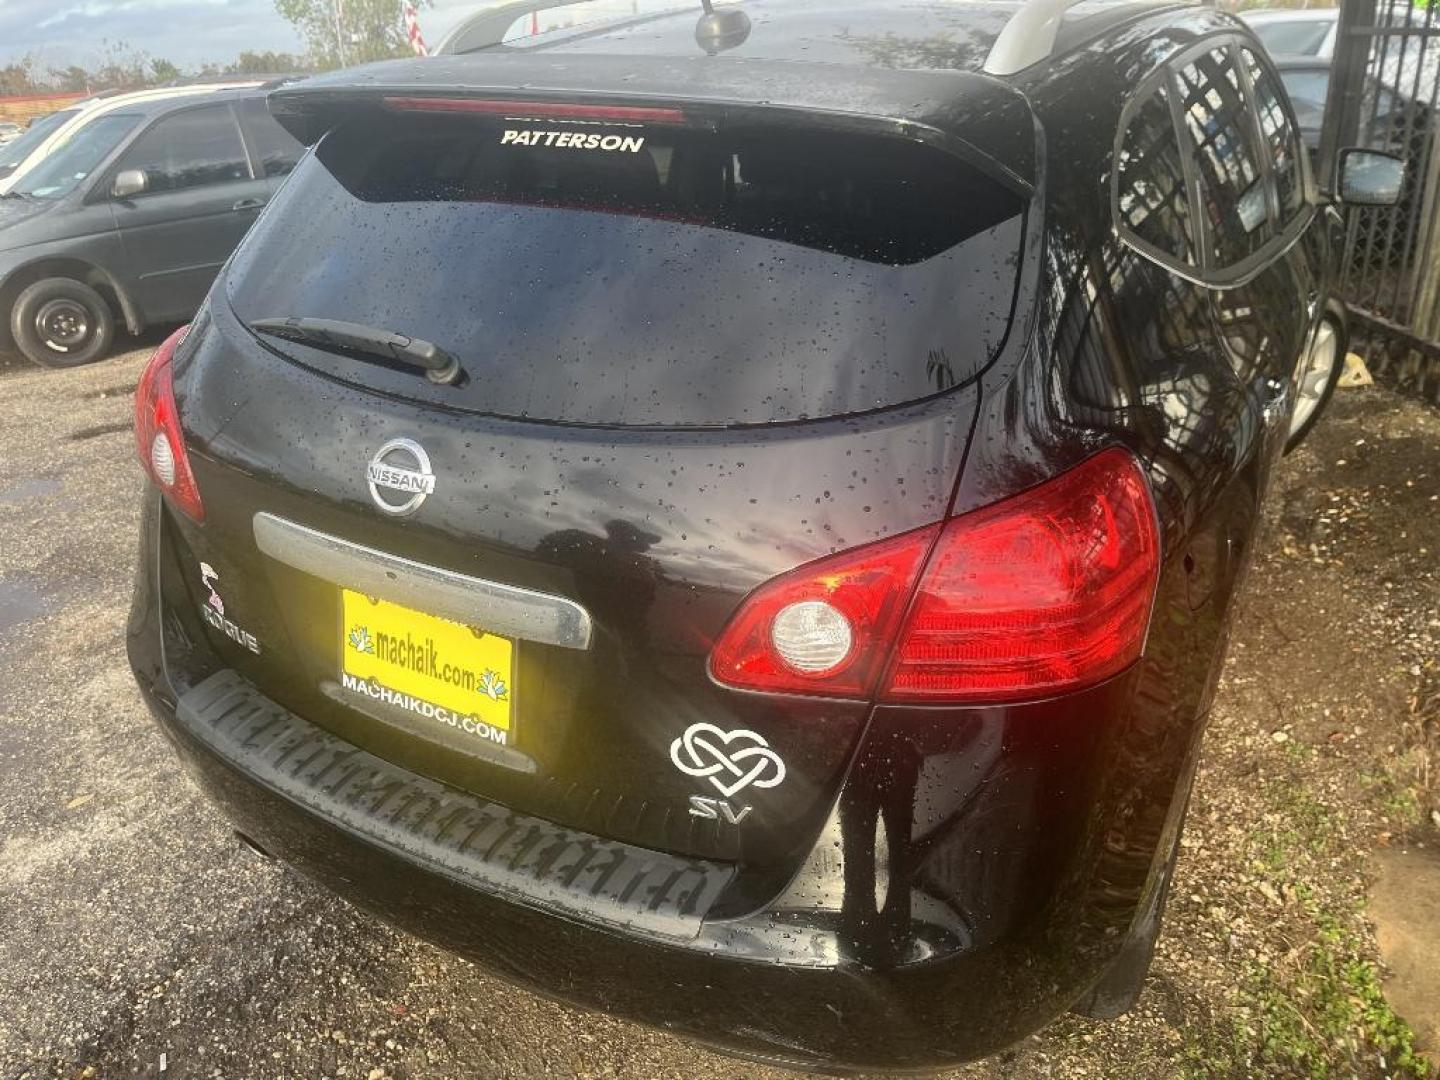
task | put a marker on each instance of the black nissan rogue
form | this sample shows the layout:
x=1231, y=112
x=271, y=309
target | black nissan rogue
x=735, y=524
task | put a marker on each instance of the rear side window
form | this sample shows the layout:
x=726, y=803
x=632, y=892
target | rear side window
x=276, y=149
x=190, y=149
x=1153, y=204
x=643, y=275
x=1282, y=141
x=1226, y=158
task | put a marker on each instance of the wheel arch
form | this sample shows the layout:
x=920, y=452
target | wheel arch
x=121, y=303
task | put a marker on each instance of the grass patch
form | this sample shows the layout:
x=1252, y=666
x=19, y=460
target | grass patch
x=1326, y=1017
x=1297, y=826
x=1319, y=1012
x=1399, y=801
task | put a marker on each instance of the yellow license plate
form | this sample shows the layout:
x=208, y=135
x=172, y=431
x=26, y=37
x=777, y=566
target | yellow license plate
x=438, y=669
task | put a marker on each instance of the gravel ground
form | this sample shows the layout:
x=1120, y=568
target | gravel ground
x=137, y=938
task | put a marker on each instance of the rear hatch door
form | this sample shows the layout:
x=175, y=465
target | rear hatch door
x=694, y=357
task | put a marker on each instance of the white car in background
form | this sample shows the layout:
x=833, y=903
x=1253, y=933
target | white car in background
x=9, y=131
x=51, y=132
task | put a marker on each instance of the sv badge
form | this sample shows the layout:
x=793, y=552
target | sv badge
x=732, y=761
x=702, y=806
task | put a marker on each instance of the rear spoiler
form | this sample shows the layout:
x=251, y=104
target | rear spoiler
x=974, y=117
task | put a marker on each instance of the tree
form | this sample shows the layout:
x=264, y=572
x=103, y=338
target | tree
x=20, y=77
x=74, y=79
x=343, y=32
x=163, y=71
x=122, y=66
x=265, y=62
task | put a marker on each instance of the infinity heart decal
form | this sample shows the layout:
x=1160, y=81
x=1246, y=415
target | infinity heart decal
x=731, y=760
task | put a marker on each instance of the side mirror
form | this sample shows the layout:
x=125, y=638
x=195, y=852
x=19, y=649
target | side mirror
x=130, y=182
x=1370, y=178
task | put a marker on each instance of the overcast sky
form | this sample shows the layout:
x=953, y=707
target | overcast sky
x=189, y=32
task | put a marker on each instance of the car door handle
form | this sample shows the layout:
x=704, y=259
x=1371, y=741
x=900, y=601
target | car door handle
x=248, y=204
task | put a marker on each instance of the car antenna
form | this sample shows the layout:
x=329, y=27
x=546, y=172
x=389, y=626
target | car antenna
x=720, y=30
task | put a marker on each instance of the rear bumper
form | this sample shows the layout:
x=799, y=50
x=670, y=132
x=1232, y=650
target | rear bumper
x=830, y=1017
x=980, y=872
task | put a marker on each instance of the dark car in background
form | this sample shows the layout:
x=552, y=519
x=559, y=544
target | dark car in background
x=1389, y=117
x=1295, y=32
x=1313, y=32
x=1307, y=83
x=129, y=221
x=737, y=525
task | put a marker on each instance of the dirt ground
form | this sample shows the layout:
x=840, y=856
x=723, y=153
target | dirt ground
x=137, y=938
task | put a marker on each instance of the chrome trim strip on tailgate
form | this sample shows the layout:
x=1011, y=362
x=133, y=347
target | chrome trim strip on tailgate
x=490, y=605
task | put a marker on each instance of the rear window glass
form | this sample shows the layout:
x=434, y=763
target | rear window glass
x=638, y=275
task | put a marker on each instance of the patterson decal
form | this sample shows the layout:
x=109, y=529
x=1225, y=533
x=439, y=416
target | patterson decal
x=575, y=140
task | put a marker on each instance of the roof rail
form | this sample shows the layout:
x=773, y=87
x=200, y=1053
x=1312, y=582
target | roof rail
x=1028, y=37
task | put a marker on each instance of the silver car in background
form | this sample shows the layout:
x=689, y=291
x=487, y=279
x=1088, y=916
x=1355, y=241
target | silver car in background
x=1292, y=32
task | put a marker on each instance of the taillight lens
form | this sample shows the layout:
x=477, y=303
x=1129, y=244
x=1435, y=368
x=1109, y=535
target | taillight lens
x=1045, y=592
x=157, y=431
x=825, y=628
x=1042, y=593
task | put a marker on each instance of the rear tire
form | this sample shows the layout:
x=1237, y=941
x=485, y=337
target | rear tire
x=61, y=323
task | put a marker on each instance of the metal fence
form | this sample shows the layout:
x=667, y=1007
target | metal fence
x=1384, y=95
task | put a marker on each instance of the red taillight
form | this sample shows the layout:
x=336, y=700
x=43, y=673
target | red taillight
x=1042, y=593
x=867, y=588
x=539, y=110
x=157, y=431
x=1045, y=592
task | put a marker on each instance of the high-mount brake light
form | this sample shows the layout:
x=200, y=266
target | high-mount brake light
x=539, y=110
x=157, y=431
x=1045, y=592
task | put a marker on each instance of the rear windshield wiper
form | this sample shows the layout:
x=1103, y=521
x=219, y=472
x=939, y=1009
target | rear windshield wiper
x=439, y=366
